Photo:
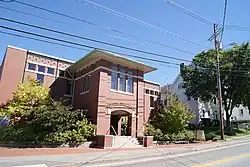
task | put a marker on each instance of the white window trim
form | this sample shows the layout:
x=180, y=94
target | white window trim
x=41, y=64
x=37, y=72
x=151, y=95
x=121, y=92
x=151, y=108
x=82, y=93
x=156, y=90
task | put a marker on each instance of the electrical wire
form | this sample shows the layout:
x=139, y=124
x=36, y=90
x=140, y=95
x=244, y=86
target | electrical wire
x=203, y=19
x=224, y=20
x=87, y=46
x=135, y=20
x=189, y=12
x=95, y=25
x=94, y=40
x=67, y=24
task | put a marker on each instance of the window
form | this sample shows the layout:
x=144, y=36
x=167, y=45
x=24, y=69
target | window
x=151, y=101
x=214, y=100
x=203, y=113
x=85, y=84
x=50, y=70
x=32, y=66
x=114, y=78
x=61, y=73
x=208, y=113
x=151, y=92
x=40, y=78
x=41, y=68
x=147, y=91
x=68, y=87
x=122, y=85
x=241, y=113
x=130, y=82
x=156, y=93
x=215, y=115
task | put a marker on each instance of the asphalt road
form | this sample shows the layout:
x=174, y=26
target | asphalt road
x=238, y=156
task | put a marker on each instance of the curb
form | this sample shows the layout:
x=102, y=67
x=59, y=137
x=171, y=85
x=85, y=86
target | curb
x=156, y=155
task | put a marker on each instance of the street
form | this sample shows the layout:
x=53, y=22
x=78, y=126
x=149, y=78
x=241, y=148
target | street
x=229, y=157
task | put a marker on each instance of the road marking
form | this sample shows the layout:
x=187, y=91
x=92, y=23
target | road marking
x=225, y=160
x=141, y=159
x=38, y=165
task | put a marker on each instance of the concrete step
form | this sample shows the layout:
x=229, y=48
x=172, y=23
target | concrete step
x=126, y=142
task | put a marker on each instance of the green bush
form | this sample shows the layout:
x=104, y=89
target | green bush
x=53, y=123
x=210, y=136
x=159, y=136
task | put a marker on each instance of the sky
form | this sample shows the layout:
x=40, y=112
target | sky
x=156, y=12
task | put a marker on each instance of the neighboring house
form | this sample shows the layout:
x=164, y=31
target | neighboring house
x=205, y=109
x=108, y=87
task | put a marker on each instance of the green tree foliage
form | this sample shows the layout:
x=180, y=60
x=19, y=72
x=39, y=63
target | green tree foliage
x=37, y=118
x=174, y=118
x=27, y=96
x=170, y=122
x=200, y=78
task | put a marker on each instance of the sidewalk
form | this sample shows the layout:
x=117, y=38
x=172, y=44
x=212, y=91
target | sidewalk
x=78, y=158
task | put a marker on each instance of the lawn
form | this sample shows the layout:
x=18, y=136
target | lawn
x=216, y=131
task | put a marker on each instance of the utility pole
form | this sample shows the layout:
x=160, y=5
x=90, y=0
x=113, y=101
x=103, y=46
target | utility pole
x=216, y=44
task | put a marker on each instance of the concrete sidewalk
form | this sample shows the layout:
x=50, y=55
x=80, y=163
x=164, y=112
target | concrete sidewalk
x=114, y=155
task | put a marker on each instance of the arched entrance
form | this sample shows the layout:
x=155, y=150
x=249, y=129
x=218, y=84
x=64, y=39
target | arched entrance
x=120, y=123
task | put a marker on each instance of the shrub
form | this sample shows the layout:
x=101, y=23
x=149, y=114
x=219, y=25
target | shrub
x=159, y=136
x=210, y=136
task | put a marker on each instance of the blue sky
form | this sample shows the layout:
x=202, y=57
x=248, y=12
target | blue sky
x=156, y=12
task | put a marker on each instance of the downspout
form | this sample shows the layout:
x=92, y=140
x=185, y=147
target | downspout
x=73, y=86
x=25, y=64
x=137, y=104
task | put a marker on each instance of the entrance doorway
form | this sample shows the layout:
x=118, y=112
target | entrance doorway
x=120, y=123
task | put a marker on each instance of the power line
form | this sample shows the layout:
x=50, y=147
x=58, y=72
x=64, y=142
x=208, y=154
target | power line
x=224, y=20
x=92, y=40
x=189, y=12
x=45, y=41
x=96, y=25
x=135, y=20
x=86, y=46
x=204, y=19
x=64, y=23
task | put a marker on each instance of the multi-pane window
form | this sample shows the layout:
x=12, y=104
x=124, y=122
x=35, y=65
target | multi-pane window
x=130, y=82
x=85, y=84
x=152, y=101
x=31, y=66
x=147, y=91
x=114, y=78
x=68, y=87
x=50, y=70
x=122, y=85
x=40, y=78
x=41, y=68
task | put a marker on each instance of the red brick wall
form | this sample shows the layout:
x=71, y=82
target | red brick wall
x=12, y=73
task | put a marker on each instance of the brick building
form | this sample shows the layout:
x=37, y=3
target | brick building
x=108, y=87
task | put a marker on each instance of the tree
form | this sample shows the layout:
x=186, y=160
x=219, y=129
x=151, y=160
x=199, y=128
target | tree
x=200, y=78
x=27, y=96
x=172, y=119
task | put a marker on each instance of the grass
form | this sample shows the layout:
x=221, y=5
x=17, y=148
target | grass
x=216, y=131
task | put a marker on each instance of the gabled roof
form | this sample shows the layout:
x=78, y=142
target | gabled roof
x=111, y=57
